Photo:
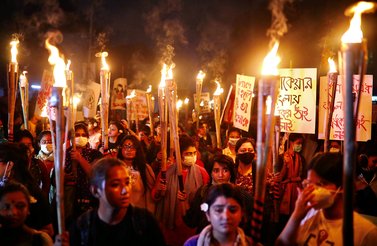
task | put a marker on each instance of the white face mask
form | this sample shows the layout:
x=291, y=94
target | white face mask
x=189, y=160
x=81, y=141
x=323, y=197
x=46, y=148
x=233, y=141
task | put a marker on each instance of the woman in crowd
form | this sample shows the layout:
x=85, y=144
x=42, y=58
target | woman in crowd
x=245, y=165
x=46, y=154
x=37, y=169
x=222, y=171
x=292, y=173
x=13, y=168
x=77, y=170
x=172, y=203
x=143, y=178
x=15, y=202
x=116, y=221
x=233, y=136
x=115, y=136
x=94, y=133
x=224, y=210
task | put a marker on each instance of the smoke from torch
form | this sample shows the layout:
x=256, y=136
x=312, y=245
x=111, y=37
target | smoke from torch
x=279, y=25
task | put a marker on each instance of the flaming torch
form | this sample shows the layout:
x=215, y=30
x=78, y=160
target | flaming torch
x=56, y=100
x=24, y=94
x=172, y=91
x=216, y=111
x=352, y=60
x=105, y=84
x=162, y=104
x=268, y=88
x=332, y=81
x=199, y=84
x=12, y=87
x=149, y=104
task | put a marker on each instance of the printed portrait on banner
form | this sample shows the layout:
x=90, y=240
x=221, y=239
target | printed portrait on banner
x=118, y=99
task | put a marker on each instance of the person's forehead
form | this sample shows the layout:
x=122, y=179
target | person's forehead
x=219, y=165
x=234, y=133
x=117, y=172
x=300, y=140
x=224, y=201
x=47, y=136
x=190, y=149
x=13, y=197
x=246, y=145
x=313, y=176
x=25, y=140
x=80, y=131
x=128, y=142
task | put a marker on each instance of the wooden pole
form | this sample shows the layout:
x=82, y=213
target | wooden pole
x=268, y=86
x=353, y=61
x=57, y=101
x=12, y=93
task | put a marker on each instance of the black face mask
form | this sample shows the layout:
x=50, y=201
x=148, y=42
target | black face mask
x=246, y=158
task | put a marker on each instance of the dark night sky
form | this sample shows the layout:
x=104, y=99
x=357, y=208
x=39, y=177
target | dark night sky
x=224, y=37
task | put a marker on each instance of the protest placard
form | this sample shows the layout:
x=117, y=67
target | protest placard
x=243, y=101
x=364, y=119
x=139, y=106
x=45, y=91
x=296, y=103
x=204, y=103
x=90, y=99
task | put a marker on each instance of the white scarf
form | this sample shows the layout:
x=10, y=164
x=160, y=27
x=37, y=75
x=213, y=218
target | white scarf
x=206, y=237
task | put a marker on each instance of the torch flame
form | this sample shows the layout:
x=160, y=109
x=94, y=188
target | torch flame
x=76, y=100
x=170, y=72
x=179, y=104
x=13, y=50
x=219, y=90
x=354, y=34
x=201, y=75
x=271, y=61
x=44, y=111
x=132, y=95
x=58, y=63
x=332, y=65
x=186, y=101
x=149, y=90
x=103, y=56
x=163, y=76
x=166, y=73
x=23, y=79
x=68, y=65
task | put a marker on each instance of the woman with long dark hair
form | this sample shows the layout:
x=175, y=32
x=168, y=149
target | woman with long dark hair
x=245, y=164
x=132, y=154
x=12, y=168
x=224, y=209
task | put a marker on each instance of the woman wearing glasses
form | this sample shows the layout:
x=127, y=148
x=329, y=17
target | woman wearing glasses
x=245, y=164
x=143, y=179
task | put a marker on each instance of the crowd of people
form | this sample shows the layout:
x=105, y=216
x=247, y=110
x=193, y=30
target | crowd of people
x=120, y=195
